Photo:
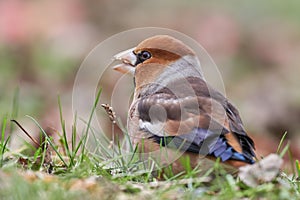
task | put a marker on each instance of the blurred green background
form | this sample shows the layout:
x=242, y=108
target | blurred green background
x=255, y=44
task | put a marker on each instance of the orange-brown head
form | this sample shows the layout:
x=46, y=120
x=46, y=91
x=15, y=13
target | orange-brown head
x=158, y=58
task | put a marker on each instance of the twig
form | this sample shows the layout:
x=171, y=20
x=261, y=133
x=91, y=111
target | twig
x=32, y=139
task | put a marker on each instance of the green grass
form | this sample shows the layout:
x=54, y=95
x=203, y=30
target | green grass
x=70, y=170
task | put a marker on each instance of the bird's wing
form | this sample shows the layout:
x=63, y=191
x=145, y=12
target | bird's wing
x=193, y=117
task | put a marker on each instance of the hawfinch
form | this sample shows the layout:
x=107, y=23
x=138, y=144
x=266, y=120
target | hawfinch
x=176, y=111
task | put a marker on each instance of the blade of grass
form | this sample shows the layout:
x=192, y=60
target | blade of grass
x=49, y=140
x=73, y=151
x=4, y=121
x=298, y=167
x=44, y=151
x=123, y=161
x=284, y=150
x=99, y=141
x=291, y=158
x=63, y=126
x=128, y=140
x=36, y=155
x=103, y=149
x=134, y=153
x=80, y=144
x=74, y=132
x=112, y=160
x=281, y=142
x=4, y=146
x=150, y=172
x=89, y=123
x=4, y=141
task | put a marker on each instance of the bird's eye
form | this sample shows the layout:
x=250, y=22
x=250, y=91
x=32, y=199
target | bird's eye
x=142, y=56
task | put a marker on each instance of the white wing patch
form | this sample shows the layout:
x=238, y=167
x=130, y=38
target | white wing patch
x=156, y=128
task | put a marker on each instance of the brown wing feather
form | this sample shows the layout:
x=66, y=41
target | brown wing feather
x=196, y=105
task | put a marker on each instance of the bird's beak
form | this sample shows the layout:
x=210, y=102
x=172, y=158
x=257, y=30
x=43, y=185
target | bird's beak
x=128, y=60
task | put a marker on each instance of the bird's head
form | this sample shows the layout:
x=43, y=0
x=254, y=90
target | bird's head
x=158, y=59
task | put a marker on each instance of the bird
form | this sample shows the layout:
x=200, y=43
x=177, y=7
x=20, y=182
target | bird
x=176, y=111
